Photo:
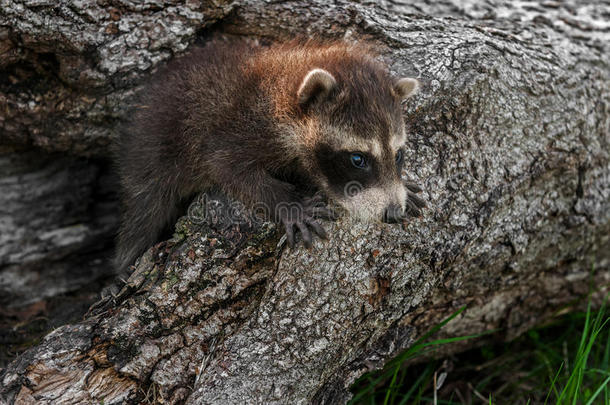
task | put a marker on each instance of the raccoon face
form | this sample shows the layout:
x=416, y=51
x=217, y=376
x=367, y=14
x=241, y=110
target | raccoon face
x=365, y=183
x=358, y=156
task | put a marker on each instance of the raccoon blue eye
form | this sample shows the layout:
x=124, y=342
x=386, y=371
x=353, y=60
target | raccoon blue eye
x=358, y=160
x=398, y=156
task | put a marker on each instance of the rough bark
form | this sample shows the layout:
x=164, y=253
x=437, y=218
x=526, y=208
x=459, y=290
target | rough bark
x=68, y=72
x=509, y=137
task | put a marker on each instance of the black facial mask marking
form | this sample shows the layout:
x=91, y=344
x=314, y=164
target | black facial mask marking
x=339, y=170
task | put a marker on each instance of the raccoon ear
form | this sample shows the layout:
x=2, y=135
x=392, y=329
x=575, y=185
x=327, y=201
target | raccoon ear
x=406, y=87
x=315, y=86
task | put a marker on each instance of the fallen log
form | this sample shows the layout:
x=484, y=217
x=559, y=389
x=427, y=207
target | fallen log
x=509, y=137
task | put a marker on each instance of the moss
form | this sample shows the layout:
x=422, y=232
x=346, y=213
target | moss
x=169, y=282
x=182, y=229
x=267, y=231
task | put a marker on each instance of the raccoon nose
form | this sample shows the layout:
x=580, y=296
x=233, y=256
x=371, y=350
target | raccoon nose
x=392, y=214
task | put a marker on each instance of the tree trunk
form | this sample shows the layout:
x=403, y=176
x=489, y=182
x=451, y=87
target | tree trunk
x=509, y=137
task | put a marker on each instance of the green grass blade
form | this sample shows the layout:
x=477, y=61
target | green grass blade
x=391, y=388
x=553, y=388
x=397, y=361
x=598, y=391
x=589, y=335
x=417, y=384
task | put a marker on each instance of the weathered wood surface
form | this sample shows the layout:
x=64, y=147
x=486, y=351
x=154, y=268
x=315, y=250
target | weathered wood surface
x=509, y=137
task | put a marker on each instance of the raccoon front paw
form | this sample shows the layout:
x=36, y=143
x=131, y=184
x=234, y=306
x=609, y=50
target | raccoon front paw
x=414, y=203
x=317, y=207
x=303, y=217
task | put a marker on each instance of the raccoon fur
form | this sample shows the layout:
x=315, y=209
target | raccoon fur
x=268, y=126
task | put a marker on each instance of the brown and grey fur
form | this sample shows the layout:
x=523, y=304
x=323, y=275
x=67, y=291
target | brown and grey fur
x=268, y=126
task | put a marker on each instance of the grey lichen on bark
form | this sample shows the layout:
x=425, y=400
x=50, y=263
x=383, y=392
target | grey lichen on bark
x=510, y=139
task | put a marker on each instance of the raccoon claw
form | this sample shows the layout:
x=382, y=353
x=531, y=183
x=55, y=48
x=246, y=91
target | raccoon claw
x=411, y=211
x=316, y=207
x=415, y=200
x=414, y=203
x=412, y=186
x=303, y=226
x=323, y=213
x=318, y=229
x=305, y=220
x=306, y=233
x=289, y=235
x=316, y=200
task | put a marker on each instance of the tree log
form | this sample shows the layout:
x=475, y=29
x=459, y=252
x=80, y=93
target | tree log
x=509, y=137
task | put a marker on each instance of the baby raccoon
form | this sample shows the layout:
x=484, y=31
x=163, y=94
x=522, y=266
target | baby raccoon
x=268, y=126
